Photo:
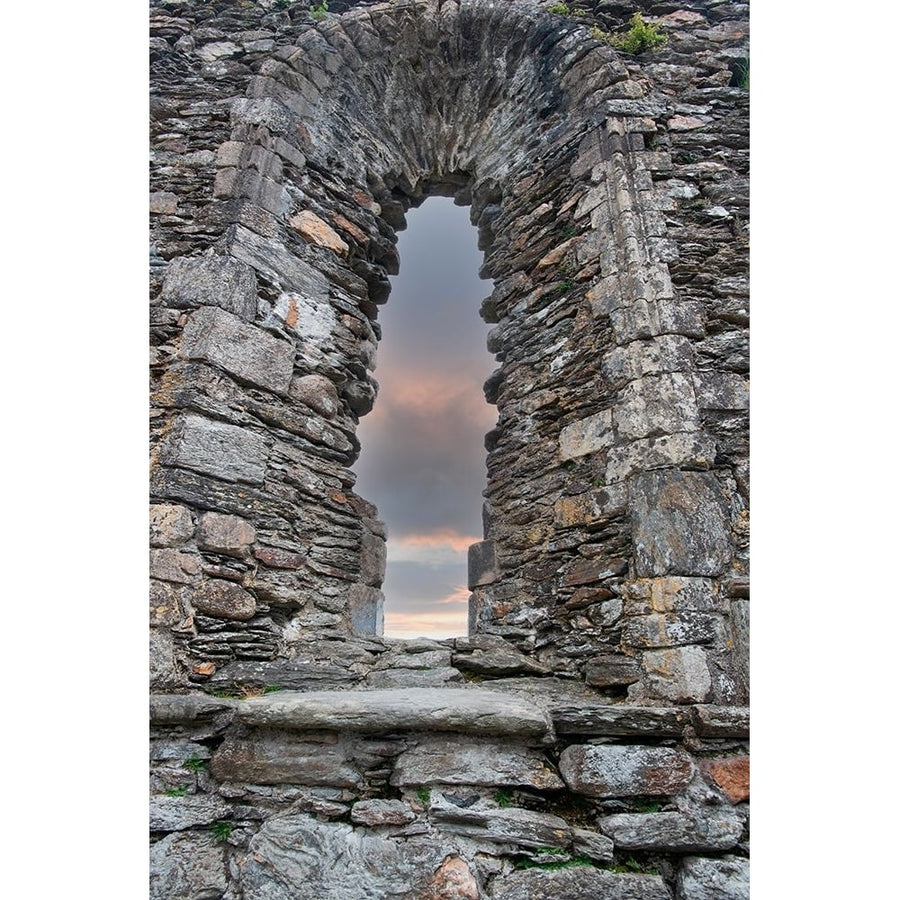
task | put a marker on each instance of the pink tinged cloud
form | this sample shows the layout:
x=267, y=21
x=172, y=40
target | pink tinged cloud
x=450, y=619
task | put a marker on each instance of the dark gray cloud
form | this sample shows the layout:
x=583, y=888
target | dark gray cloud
x=422, y=458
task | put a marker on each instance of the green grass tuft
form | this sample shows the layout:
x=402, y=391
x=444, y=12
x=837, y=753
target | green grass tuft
x=640, y=37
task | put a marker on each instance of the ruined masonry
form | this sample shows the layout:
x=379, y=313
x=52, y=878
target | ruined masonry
x=589, y=737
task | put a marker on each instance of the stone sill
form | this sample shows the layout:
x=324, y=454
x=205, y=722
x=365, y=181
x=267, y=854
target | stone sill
x=460, y=710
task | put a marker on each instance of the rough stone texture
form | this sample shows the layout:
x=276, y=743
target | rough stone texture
x=680, y=674
x=482, y=564
x=714, y=879
x=504, y=826
x=366, y=609
x=681, y=524
x=224, y=599
x=248, y=353
x=459, y=761
x=179, y=813
x=414, y=709
x=731, y=776
x=382, y=812
x=187, y=865
x=717, y=829
x=170, y=525
x=174, y=566
x=630, y=771
x=309, y=226
x=611, y=669
x=317, y=392
x=592, y=844
x=215, y=448
x=212, y=281
x=586, y=718
x=453, y=880
x=611, y=197
x=486, y=655
x=719, y=721
x=230, y=535
x=297, y=858
x=578, y=883
x=284, y=759
x=587, y=436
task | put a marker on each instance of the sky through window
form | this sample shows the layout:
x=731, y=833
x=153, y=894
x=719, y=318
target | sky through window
x=423, y=459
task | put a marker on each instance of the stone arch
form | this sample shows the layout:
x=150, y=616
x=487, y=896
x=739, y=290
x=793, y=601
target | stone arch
x=603, y=490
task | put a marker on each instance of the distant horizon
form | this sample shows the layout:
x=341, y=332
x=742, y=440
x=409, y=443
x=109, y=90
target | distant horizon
x=422, y=461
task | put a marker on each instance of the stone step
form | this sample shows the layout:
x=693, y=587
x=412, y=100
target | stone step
x=467, y=711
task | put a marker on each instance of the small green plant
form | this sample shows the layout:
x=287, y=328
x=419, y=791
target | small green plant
x=630, y=864
x=424, y=795
x=566, y=286
x=319, y=12
x=195, y=764
x=221, y=831
x=741, y=77
x=561, y=9
x=556, y=864
x=646, y=806
x=640, y=36
x=503, y=798
x=176, y=792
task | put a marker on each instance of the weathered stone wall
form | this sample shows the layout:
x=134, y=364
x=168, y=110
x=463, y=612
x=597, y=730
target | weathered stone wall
x=527, y=790
x=610, y=193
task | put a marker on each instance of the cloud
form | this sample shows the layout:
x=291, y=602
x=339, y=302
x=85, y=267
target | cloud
x=422, y=461
x=447, y=618
x=441, y=543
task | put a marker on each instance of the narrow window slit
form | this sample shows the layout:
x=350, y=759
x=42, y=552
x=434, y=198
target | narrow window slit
x=422, y=461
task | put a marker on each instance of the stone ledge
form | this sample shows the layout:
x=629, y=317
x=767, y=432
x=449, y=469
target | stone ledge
x=463, y=710
x=413, y=709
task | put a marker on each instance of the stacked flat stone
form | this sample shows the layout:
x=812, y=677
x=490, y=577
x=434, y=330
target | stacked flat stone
x=611, y=588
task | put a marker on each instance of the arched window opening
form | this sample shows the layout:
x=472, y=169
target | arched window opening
x=423, y=458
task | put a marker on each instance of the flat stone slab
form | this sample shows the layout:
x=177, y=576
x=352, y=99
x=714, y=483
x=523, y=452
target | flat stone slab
x=504, y=826
x=412, y=709
x=179, y=709
x=722, y=721
x=711, y=879
x=608, y=719
x=472, y=760
x=630, y=771
x=714, y=829
x=294, y=857
x=578, y=883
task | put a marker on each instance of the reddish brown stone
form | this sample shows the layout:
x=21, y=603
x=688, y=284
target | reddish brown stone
x=356, y=233
x=279, y=559
x=224, y=600
x=452, y=881
x=731, y=776
x=206, y=668
x=589, y=571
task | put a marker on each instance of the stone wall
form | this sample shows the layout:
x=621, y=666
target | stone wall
x=610, y=594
